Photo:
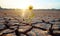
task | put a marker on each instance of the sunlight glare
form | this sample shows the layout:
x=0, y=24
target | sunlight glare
x=22, y=4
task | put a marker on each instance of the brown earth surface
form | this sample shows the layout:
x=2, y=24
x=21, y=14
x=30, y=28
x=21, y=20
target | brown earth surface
x=11, y=23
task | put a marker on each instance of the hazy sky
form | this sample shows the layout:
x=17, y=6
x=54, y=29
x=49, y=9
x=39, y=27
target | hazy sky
x=37, y=4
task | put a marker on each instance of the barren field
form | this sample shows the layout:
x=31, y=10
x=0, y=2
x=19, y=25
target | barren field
x=11, y=24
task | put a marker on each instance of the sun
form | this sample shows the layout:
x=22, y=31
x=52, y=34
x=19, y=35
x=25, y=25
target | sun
x=22, y=4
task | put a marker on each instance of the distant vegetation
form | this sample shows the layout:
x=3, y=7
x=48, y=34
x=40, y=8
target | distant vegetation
x=38, y=9
x=1, y=7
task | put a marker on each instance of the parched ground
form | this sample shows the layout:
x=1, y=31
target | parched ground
x=41, y=25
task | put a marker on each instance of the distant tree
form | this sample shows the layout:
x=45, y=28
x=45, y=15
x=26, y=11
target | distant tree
x=53, y=8
x=0, y=7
